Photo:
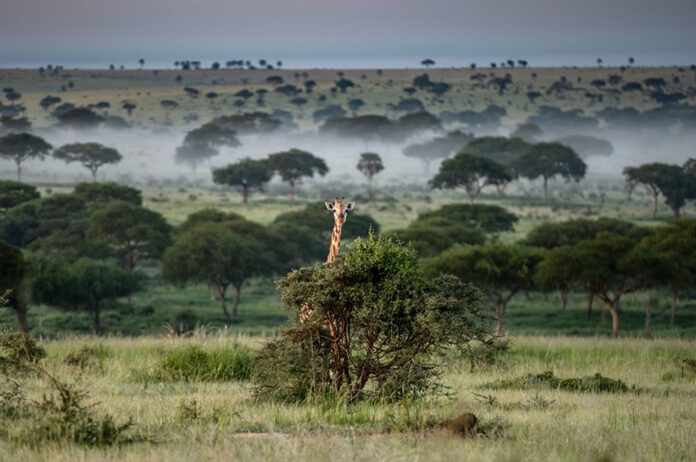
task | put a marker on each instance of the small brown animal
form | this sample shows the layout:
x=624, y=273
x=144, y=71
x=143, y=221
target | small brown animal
x=462, y=425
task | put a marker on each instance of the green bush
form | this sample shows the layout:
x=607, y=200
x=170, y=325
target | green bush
x=596, y=383
x=18, y=351
x=368, y=326
x=88, y=357
x=192, y=363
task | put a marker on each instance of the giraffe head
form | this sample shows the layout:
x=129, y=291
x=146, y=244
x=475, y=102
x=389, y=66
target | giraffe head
x=340, y=209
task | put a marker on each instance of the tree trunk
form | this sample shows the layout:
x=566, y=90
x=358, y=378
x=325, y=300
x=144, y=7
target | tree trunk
x=564, y=298
x=590, y=299
x=235, y=303
x=96, y=322
x=677, y=212
x=546, y=189
x=500, y=308
x=673, y=307
x=291, y=195
x=94, y=174
x=654, y=206
x=614, y=320
x=245, y=194
x=213, y=292
x=22, y=318
x=369, y=188
x=19, y=169
x=222, y=291
x=646, y=329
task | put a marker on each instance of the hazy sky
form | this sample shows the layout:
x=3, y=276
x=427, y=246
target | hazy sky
x=351, y=33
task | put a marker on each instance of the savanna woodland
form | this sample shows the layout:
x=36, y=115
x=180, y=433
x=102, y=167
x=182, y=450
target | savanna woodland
x=506, y=269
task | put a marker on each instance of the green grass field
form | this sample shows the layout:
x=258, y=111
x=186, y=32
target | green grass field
x=179, y=420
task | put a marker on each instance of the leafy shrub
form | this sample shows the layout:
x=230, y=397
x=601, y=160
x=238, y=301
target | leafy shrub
x=192, y=363
x=88, y=357
x=367, y=326
x=595, y=383
x=18, y=351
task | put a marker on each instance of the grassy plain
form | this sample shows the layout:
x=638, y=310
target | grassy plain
x=179, y=420
x=147, y=88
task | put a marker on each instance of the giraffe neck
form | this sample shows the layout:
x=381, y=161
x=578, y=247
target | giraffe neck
x=335, y=242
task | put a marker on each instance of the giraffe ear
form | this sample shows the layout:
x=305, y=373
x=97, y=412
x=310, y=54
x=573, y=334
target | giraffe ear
x=329, y=206
x=350, y=206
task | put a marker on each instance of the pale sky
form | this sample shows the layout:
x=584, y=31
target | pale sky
x=346, y=33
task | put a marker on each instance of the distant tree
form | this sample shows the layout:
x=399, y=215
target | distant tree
x=141, y=61
x=437, y=148
x=21, y=147
x=631, y=61
x=214, y=254
x=250, y=123
x=274, y=80
x=299, y=101
x=215, y=66
x=548, y=160
x=655, y=82
x=12, y=95
x=652, y=176
x=599, y=62
x=471, y=172
x=522, y=62
x=90, y=155
x=14, y=193
x=422, y=81
x=428, y=62
x=13, y=271
x=309, y=86
x=632, y=86
x=168, y=105
x=557, y=271
x=80, y=118
x=15, y=124
x=511, y=63
x=247, y=174
x=344, y=84
x=194, y=154
x=498, y=148
x=81, y=286
x=369, y=165
x=499, y=270
x=212, y=134
x=131, y=232
x=417, y=122
x=244, y=93
x=355, y=104
x=211, y=95
x=294, y=164
x=409, y=105
x=49, y=101
x=129, y=107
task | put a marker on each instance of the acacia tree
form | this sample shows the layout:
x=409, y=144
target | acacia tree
x=369, y=165
x=651, y=176
x=13, y=271
x=438, y=148
x=548, y=160
x=675, y=266
x=248, y=174
x=81, y=286
x=471, y=172
x=21, y=147
x=558, y=270
x=90, y=155
x=215, y=254
x=499, y=270
x=294, y=164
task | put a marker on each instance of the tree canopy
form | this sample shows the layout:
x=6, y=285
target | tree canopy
x=215, y=254
x=14, y=193
x=295, y=164
x=548, y=160
x=370, y=164
x=21, y=147
x=90, y=155
x=81, y=286
x=247, y=174
x=471, y=172
x=13, y=271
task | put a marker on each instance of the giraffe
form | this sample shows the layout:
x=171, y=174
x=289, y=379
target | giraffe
x=340, y=212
